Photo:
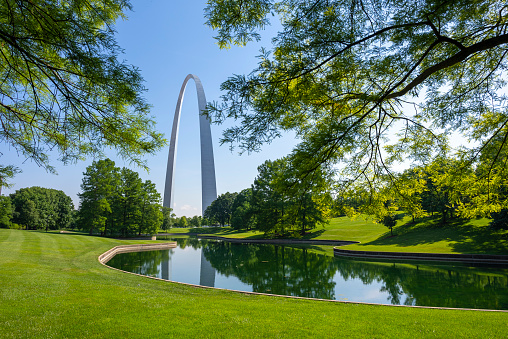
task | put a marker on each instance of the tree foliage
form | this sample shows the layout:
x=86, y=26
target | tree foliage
x=242, y=216
x=220, y=209
x=41, y=208
x=116, y=201
x=6, y=173
x=64, y=86
x=281, y=202
x=5, y=212
x=347, y=75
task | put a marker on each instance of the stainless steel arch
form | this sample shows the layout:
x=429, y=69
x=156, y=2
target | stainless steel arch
x=208, y=185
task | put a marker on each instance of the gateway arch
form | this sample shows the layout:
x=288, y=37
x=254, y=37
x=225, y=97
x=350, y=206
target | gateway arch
x=208, y=186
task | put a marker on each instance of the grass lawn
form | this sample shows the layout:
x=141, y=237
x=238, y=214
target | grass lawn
x=426, y=235
x=53, y=286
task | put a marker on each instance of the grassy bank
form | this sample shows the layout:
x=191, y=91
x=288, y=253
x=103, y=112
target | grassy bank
x=426, y=235
x=53, y=286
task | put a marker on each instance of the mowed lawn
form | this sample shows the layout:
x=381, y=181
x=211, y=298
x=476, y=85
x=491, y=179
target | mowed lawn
x=426, y=235
x=52, y=286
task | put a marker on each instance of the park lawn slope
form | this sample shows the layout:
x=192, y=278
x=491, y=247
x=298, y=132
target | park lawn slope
x=52, y=285
x=426, y=235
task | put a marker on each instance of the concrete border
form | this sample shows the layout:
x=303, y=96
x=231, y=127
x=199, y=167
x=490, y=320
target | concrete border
x=280, y=241
x=445, y=257
x=106, y=256
x=150, y=247
x=411, y=256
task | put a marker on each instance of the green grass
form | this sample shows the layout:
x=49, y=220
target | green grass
x=53, y=286
x=426, y=235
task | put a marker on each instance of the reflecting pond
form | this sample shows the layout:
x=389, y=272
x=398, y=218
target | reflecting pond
x=302, y=271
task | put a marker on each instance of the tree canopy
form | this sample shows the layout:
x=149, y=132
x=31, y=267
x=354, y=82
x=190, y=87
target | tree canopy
x=348, y=75
x=41, y=208
x=63, y=86
x=116, y=201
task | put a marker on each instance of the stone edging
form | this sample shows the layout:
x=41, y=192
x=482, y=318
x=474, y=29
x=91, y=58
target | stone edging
x=451, y=257
x=106, y=256
x=281, y=241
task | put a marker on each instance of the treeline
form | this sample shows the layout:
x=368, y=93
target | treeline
x=277, y=203
x=449, y=188
x=183, y=221
x=115, y=201
x=35, y=208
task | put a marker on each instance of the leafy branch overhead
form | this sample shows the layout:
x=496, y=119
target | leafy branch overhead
x=369, y=83
x=63, y=87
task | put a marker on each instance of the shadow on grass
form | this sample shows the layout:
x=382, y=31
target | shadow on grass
x=464, y=236
x=313, y=234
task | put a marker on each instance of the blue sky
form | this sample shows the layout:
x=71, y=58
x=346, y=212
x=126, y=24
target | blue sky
x=167, y=40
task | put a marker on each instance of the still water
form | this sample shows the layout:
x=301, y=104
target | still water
x=302, y=271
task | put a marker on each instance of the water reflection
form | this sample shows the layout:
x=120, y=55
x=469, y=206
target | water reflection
x=296, y=271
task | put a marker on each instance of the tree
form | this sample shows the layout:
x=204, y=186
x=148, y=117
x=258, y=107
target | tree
x=151, y=216
x=345, y=75
x=5, y=212
x=182, y=222
x=128, y=201
x=99, y=183
x=167, y=221
x=221, y=208
x=195, y=221
x=268, y=203
x=242, y=216
x=64, y=86
x=41, y=208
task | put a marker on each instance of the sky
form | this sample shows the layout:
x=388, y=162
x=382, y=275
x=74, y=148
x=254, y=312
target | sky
x=167, y=40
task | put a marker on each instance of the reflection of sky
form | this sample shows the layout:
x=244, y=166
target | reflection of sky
x=356, y=290
x=185, y=264
x=231, y=283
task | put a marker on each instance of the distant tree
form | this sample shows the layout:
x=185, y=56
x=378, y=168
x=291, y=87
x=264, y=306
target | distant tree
x=128, y=202
x=26, y=213
x=205, y=221
x=389, y=221
x=99, y=185
x=221, y=208
x=242, y=216
x=150, y=216
x=182, y=222
x=281, y=202
x=195, y=221
x=269, y=204
x=41, y=208
x=167, y=221
x=64, y=210
x=5, y=212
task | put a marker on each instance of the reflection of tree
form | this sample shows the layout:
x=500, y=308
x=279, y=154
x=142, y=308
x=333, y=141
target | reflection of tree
x=294, y=271
x=187, y=242
x=275, y=269
x=145, y=263
x=431, y=285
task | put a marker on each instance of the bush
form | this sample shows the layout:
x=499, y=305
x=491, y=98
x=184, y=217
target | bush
x=14, y=226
